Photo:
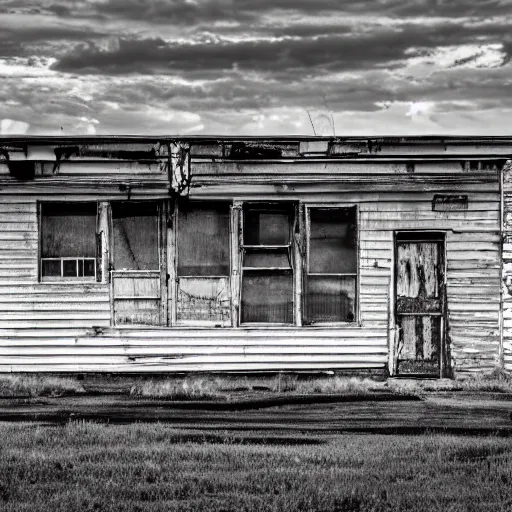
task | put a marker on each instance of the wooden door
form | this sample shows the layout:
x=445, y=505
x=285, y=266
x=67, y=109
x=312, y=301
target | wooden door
x=420, y=304
x=138, y=275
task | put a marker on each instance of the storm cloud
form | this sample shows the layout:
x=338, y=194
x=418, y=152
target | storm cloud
x=255, y=66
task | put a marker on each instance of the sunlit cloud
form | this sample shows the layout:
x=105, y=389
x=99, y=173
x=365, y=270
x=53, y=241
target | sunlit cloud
x=262, y=67
x=13, y=127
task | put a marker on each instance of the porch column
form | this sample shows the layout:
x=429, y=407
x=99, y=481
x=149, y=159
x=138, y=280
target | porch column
x=104, y=234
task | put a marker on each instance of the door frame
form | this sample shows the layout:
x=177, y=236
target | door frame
x=419, y=235
x=162, y=272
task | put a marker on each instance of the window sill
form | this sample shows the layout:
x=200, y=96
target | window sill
x=252, y=327
x=72, y=280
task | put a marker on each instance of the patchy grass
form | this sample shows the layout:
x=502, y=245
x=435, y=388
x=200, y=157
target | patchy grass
x=226, y=388
x=341, y=385
x=189, y=388
x=38, y=385
x=495, y=382
x=85, y=467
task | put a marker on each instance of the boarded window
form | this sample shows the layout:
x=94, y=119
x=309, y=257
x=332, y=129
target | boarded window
x=136, y=298
x=68, y=241
x=203, y=291
x=135, y=233
x=203, y=240
x=330, y=285
x=267, y=282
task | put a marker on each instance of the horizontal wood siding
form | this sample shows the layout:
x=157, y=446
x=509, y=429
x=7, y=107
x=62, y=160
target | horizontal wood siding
x=472, y=268
x=191, y=349
x=65, y=327
x=26, y=303
x=506, y=282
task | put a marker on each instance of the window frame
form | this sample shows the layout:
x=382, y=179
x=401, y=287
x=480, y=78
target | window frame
x=112, y=244
x=175, y=278
x=113, y=273
x=307, y=214
x=89, y=280
x=290, y=207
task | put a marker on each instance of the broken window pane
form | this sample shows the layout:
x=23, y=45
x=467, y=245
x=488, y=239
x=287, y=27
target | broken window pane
x=68, y=240
x=204, y=299
x=267, y=297
x=135, y=231
x=330, y=298
x=266, y=227
x=203, y=240
x=333, y=241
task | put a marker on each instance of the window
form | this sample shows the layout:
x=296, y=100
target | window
x=330, y=281
x=267, y=280
x=203, y=264
x=135, y=233
x=68, y=241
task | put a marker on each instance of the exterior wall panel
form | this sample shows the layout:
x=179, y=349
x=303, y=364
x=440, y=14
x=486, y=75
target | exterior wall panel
x=67, y=327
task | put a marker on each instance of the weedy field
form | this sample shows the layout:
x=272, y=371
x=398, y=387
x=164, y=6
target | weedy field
x=85, y=466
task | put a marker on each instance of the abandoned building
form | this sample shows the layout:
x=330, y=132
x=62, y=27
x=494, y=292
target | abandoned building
x=182, y=254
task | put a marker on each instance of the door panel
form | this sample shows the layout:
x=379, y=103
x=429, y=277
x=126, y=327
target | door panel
x=419, y=345
x=419, y=304
x=418, y=269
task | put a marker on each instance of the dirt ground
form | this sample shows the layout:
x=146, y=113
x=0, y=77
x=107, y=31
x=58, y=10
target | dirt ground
x=479, y=413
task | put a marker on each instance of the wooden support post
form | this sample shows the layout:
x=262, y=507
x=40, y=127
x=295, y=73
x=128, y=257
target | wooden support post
x=104, y=232
x=235, y=234
x=171, y=262
x=298, y=255
x=162, y=224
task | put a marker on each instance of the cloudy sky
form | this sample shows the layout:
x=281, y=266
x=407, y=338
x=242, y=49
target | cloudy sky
x=256, y=67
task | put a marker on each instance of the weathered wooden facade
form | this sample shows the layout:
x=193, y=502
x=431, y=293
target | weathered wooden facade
x=176, y=254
